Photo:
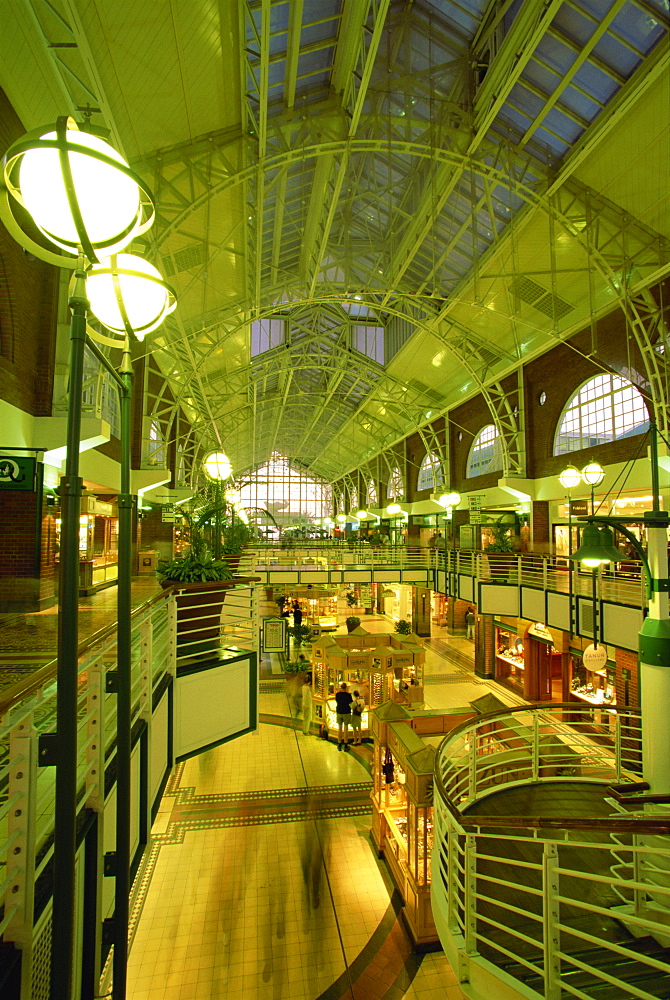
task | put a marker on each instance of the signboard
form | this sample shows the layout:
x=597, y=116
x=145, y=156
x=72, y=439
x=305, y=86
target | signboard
x=475, y=509
x=579, y=508
x=594, y=657
x=167, y=513
x=274, y=635
x=366, y=595
x=17, y=473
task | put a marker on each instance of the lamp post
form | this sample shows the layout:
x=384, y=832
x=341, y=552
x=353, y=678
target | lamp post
x=449, y=501
x=217, y=467
x=87, y=206
x=654, y=635
x=569, y=479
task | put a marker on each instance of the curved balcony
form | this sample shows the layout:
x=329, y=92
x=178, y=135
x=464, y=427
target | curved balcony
x=543, y=884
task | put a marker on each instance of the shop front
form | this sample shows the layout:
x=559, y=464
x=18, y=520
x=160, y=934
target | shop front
x=532, y=660
x=98, y=544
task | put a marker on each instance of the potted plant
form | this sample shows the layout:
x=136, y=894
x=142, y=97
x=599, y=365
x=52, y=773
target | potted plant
x=403, y=627
x=301, y=634
x=201, y=582
x=352, y=622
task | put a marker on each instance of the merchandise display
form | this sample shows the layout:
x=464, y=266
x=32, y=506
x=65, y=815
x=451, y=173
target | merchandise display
x=405, y=745
x=365, y=662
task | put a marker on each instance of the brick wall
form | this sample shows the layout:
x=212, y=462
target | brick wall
x=28, y=304
x=541, y=541
x=27, y=555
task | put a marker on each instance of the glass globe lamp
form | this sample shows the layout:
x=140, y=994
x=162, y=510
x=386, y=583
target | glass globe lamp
x=217, y=466
x=593, y=474
x=128, y=294
x=570, y=478
x=393, y=508
x=79, y=191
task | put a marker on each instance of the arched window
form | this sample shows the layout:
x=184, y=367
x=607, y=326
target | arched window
x=396, y=489
x=430, y=474
x=604, y=409
x=372, y=493
x=155, y=446
x=486, y=453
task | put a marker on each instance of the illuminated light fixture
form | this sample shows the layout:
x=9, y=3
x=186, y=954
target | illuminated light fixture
x=360, y=514
x=341, y=518
x=128, y=294
x=328, y=521
x=80, y=192
x=570, y=478
x=217, y=466
x=449, y=499
x=394, y=508
x=597, y=547
x=593, y=474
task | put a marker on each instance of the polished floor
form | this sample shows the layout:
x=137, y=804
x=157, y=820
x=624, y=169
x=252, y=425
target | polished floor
x=262, y=881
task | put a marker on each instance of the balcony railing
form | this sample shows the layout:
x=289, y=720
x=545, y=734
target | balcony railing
x=621, y=584
x=550, y=906
x=174, y=669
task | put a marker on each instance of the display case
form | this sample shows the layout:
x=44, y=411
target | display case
x=596, y=688
x=405, y=745
x=365, y=663
x=510, y=661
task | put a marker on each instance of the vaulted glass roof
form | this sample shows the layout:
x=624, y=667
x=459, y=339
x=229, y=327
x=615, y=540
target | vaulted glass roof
x=477, y=179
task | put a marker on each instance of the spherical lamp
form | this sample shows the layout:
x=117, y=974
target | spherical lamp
x=217, y=466
x=393, y=508
x=79, y=191
x=361, y=514
x=341, y=518
x=593, y=474
x=570, y=478
x=128, y=294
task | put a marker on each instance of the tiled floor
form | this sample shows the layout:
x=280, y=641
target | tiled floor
x=262, y=881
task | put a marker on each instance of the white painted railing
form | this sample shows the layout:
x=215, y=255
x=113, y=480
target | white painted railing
x=548, y=906
x=162, y=673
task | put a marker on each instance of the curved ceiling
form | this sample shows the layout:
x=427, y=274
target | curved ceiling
x=368, y=208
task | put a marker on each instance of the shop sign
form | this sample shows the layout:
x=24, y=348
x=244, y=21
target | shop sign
x=403, y=660
x=17, y=473
x=475, y=509
x=357, y=661
x=366, y=596
x=594, y=657
x=274, y=635
x=167, y=513
x=579, y=508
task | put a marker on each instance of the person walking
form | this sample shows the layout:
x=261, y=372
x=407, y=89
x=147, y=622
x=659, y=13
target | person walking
x=357, y=709
x=343, y=702
x=306, y=704
x=297, y=614
x=470, y=624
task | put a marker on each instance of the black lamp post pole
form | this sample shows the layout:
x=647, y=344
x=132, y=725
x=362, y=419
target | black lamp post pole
x=124, y=688
x=65, y=839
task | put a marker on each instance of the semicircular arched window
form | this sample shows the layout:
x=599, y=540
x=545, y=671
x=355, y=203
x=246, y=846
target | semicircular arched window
x=396, y=488
x=485, y=453
x=430, y=474
x=604, y=409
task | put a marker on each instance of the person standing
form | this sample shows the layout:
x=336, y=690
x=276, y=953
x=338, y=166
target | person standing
x=470, y=624
x=343, y=702
x=306, y=704
x=297, y=614
x=357, y=709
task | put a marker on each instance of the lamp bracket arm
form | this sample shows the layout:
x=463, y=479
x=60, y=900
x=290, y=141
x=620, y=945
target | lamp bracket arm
x=613, y=522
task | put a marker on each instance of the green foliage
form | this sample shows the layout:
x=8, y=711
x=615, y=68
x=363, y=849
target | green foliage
x=352, y=622
x=403, y=627
x=501, y=540
x=193, y=569
x=351, y=599
x=297, y=667
x=301, y=634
